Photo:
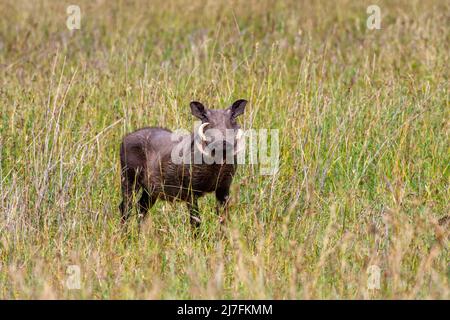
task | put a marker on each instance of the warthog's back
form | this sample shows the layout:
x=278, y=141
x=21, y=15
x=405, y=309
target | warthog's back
x=140, y=146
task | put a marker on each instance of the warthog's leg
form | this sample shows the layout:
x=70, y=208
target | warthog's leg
x=194, y=212
x=222, y=196
x=145, y=203
x=128, y=190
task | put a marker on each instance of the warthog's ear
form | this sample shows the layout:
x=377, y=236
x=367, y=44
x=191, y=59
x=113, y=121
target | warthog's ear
x=199, y=110
x=238, y=107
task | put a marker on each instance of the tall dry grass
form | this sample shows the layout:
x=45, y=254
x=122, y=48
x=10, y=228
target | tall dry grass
x=364, y=148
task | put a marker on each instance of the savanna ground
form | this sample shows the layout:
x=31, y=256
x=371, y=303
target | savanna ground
x=364, y=148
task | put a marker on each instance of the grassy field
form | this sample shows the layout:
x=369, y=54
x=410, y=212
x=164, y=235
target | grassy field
x=363, y=181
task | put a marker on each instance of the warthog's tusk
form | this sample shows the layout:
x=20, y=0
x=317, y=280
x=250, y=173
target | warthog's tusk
x=239, y=134
x=240, y=146
x=201, y=133
x=200, y=148
x=239, y=149
x=240, y=143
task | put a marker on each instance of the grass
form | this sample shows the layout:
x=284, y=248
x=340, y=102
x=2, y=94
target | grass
x=364, y=148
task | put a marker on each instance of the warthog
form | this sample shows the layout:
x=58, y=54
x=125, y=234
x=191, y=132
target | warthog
x=147, y=161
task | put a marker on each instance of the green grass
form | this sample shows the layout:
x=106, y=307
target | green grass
x=364, y=148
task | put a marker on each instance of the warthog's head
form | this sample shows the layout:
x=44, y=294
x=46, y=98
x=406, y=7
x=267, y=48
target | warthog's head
x=219, y=133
